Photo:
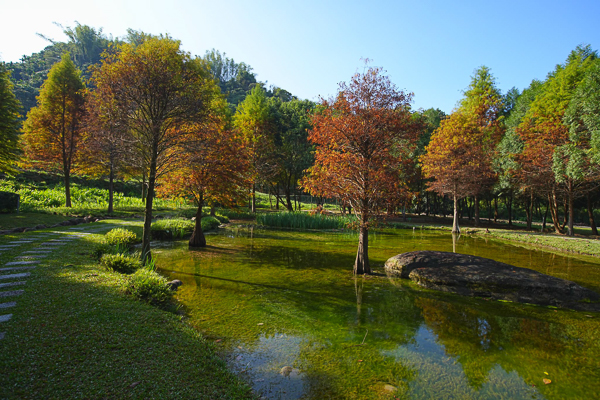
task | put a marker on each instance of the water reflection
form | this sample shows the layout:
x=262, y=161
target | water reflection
x=282, y=299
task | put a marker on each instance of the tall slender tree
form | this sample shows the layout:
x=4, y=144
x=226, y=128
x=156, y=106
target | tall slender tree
x=355, y=135
x=159, y=90
x=9, y=121
x=53, y=127
x=254, y=122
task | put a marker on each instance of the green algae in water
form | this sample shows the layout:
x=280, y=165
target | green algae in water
x=272, y=299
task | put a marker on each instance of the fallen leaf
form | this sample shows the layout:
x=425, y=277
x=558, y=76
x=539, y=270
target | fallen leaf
x=260, y=324
x=546, y=373
x=359, y=360
x=547, y=381
x=134, y=384
x=218, y=340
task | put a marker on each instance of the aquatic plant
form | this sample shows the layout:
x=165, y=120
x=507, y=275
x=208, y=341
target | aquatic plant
x=299, y=220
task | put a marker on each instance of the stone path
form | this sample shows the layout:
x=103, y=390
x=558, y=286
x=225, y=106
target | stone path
x=12, y=272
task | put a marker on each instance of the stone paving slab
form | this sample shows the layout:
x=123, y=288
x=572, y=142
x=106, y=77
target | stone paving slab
x=46, y=252
x=9, y=284
x=15, y=276
x=31, y=257
x=8, y=305
x=5, y=317
x=9, y=246
x=12, y=293
x=20, y=263
x=2, y=334
x=20, y=241
x=15, y=268
x=52, y=244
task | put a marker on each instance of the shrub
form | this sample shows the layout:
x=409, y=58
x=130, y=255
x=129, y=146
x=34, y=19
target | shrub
x=210, y=223
x=9, y=202
x=149, y=286
x=171, y=228
x=122, y=263
x=101, y=249
x=121, y=237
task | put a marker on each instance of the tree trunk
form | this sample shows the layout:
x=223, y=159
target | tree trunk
x=213, y=210
x=146, y=255
x=111, y=177
x=67, y=187
x=529, y=210
x=253, y=204
x=509, y=208
x=288, y=199
x=361, y=265
x=553, y=203
x=571, y=232
x=495, y=209
x=198, y=239
x=590, y=209
x=476, y=205
x=545, y=217
x=455, y=227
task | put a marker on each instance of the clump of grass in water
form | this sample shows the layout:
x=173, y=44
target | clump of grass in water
x=299, y=220
x=171, y=228
x=179, y=228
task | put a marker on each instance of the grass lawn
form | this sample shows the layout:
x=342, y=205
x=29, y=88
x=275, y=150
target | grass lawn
x=75, y=334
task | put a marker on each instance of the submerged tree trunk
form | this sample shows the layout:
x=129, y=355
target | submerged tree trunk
x=455, y=227
x=591, y=215
x=198, y=239
x=361, y=265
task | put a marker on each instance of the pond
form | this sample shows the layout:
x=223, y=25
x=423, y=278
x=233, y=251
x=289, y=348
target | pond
x=286, y=312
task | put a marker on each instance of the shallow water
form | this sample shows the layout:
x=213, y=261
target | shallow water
x=273, y=299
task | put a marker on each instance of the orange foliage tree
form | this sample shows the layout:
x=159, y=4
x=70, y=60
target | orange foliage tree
x=159, y=91
x=458, y=158
x=460, y=153
x=355, y=160
x=52, y=130
x=214, y=168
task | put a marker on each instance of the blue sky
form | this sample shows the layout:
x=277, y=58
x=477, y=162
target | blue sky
x=428, y=47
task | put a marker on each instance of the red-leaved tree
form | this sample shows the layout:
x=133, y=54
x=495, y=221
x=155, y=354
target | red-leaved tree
x=356, y=135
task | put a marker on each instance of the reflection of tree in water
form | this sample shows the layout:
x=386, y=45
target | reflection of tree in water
x=565, y=345
x=350, y=363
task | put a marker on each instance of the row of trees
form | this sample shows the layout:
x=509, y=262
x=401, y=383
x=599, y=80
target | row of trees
x=539, y=146
x=149, y=110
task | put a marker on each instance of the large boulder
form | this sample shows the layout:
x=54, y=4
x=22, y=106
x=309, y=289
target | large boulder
x=478, y=276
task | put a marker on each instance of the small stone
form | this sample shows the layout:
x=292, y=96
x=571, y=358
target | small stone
x=174, y=284
x=15, y=276
x=285, y=371
x=12, y=293
x=9, y=284
x=390, y=388
x=6, y=317
x=20, y=263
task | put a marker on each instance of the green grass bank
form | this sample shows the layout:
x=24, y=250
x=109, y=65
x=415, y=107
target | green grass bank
x=75, y=334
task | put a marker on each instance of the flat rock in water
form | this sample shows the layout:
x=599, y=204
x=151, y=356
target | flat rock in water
x=477, y=276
